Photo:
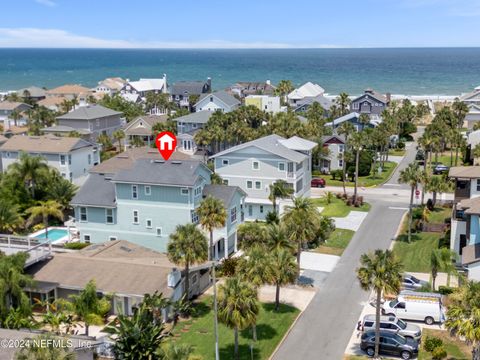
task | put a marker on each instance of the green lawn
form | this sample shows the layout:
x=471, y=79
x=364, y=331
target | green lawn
x=337, y=207
x=397, y=152
x=365, y=181
x=444, y=158
x=439, y=214
x=271, y=327
x=415, y=256
x=336, y=244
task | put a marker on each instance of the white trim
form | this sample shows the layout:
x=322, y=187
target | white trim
x=149, y=190
x=284, y=166
x=136, y=191
x=80, y=214
x=227, y=162
x=137, y=216
x=106, y=217
x=246, y=184
x=258, y=163
x=161, y=231
x=146, y=223
x=259, y=188
x=89, y=238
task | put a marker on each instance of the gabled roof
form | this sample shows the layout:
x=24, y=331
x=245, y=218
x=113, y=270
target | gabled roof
x=51, y=101
x=308, y=89
x=148, y=84
x=159, y=172
x=327, y=138
x=190, y=88
x=199, y=117
x=12, y=105
x=322, y=100
x=90, y=112
x=115, y=83
x=35, y=91
x=270, y=144
x=130, y=97
x=472, y=96
x=224, y=193
x=148, y=121
x=69, y=89
x=341, y=119
x=44, y=144
x=473, y=109
x=372, y=94
x=96, y=191
x=298, y=143
x=224, y=97
x=466, y=172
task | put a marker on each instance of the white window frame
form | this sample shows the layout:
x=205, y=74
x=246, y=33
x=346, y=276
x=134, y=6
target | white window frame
x=135, y=216
x=146, y=223
x=89, y=238
x=182, y=191
x=258, y=182
x=341, y=148
x=225, y=181
x=106, y=216
x=261, y=209
x=149, y=192
x=251, y=182
x=340, y=163
x=284, y=166
x=157, y=233
x=86, y=214
x=225, y=162
x=233, y=215
x=198, y=191
x=69, y=159
x=253, y=165
x=63, y=160
x=112, y=238
x=135, y=192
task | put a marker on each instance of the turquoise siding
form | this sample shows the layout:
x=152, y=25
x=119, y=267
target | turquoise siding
x=474, y=230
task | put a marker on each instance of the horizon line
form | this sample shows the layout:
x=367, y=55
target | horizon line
x=237, y=48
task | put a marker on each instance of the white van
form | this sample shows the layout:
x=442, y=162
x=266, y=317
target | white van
x=411, y=305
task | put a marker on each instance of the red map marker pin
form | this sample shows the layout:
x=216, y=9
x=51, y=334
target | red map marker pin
x=166, y=143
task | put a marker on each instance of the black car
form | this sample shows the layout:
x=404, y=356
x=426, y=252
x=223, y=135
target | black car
x=390, y=344
x=420, y=155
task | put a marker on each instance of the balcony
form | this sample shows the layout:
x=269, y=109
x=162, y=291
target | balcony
x=462, y=190
x=470, y=253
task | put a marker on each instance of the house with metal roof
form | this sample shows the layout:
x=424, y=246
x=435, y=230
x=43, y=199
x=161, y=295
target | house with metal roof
x=245, y=88
x=72, y=157
x=90, y=121
x=219, y=100
x=182, y=90
x=255, y=165
x=143, y=86
x=143, y=201
x=472, y=97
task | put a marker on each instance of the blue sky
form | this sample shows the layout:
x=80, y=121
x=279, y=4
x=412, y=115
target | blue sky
x=239, y=24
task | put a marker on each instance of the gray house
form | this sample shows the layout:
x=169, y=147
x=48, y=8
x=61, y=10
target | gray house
x=142, y=128
x=336, y=151
x=90, y=121
x=187, y=126
x=6, y=110
x=219, y=100
x=255, y=165
x=182, y=90
x=354, y=119
x=371, y=103
x=304, y=104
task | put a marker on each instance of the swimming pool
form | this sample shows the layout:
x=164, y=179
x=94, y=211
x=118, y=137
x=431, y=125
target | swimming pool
x=55, y=234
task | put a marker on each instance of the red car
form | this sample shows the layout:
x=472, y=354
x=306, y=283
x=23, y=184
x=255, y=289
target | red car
x=318, y=182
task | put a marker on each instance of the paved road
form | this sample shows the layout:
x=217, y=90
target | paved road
x=325, y=327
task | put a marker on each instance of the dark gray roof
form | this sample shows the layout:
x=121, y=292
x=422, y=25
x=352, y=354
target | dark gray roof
x=159, y=172
x=190, y=88
x=322, y=100
x=222, y=192
x=373, y=94
x=223, y=97
x=90, y=112
x=199, y=117
x=271, y=144
x=96, y=191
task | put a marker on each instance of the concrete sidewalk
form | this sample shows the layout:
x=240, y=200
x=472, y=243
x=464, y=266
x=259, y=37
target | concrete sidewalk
x=318, y=262
x=352, y=221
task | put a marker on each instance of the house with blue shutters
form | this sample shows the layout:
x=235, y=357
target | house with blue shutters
x=143, y=203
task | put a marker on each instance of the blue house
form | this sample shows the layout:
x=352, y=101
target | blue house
x=143, y=203
x=354, y=119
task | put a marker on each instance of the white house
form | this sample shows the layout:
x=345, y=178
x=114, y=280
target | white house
x=72, y=157
x=307, y=90
x=219, y=100
x=473, y=115
x=472, y=97
x=110, y=86
x=143, y=86
x=265, y=103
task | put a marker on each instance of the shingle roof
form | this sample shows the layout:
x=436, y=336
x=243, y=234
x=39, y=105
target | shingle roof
x=190, y=88
x=322, y=100
x=51, y=101
x=68, y=89
x=126, y=159
x=116, y=266
x=148, y=121
x=224, y=97
x=373, y=94
x=89, y=112
x=468, y=172
x=199, y=117
x=268, y=143
x=224, y=193
x=35, y=91
x=64, y=129
x=341, y=119
x=176, y=173
x=12, y=105
x=96, y=191
x=44, y=144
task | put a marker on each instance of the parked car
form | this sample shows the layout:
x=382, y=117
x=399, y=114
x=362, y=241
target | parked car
x=420, y=156
x=318, y=182
x=420, y=306
x=394, y=325
x=390, y=344
x=410, y=282
x=440, y=169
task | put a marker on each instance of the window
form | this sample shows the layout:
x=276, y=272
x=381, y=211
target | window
x=86, y=238
x=341, y=148
x=194, y=279
x=7, y=154
x=135, y=217
x=159, y=231
x=258, y=185
x=109, y=216
x=69, y=159
x=400, y=305
x=83, y=214
x=225, y=181
x=198, y=190
x=225, y=161
x=233, y=214
x=299, y=165
x=281, y=166
x=148, y=190
x=89, y=159
x=340, y=163
x=211, y=98
x=478, y=184
x=134, y=192
x=255, y=165
x=261, y=209
x=194, y=217
x=98, y=122
x=250, y=210
x=148, y=223
x=64, y=175
x=112, y=238
x=62, y=160
x=299, y=185
x=249, y=184
x=184, y=191
x=70, y=177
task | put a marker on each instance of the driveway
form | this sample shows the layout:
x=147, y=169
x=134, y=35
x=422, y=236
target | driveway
x=318, y=262
x=352, y=221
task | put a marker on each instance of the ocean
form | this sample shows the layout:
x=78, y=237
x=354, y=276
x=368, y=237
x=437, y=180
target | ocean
x=415, y=71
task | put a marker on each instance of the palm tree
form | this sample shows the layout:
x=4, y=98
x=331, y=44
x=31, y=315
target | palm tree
x=60, y=189
x=356, y=142
x=343, y=101
x=346, y=129
x=45, y=209
x=411, y=176
x=250, y=234
x=15, y=116
x=237, y=306
x=30, y=170
x=187, y=246
x=441, y=259
x=301, y=221
x=119, y=135
x=282, y=271
x=436, y=185
x=277, y=238
x=279, y=189
x=10, y=219
x=379, y=271
x=212, y=215
x=105, y=141
x=137, y=141
x=176, y=352
x=284, y=87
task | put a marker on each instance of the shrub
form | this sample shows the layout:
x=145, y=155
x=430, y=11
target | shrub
x=431, y=343
x=271, y=218
x=337, y=174
x=417, y=213
x=445, y=290
x=75, y=245
x=37, y=227
x=425, y=288
x=430, y=204
x=364, y=165
x=401, y=145
x=229, y=266
x=439, y=353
